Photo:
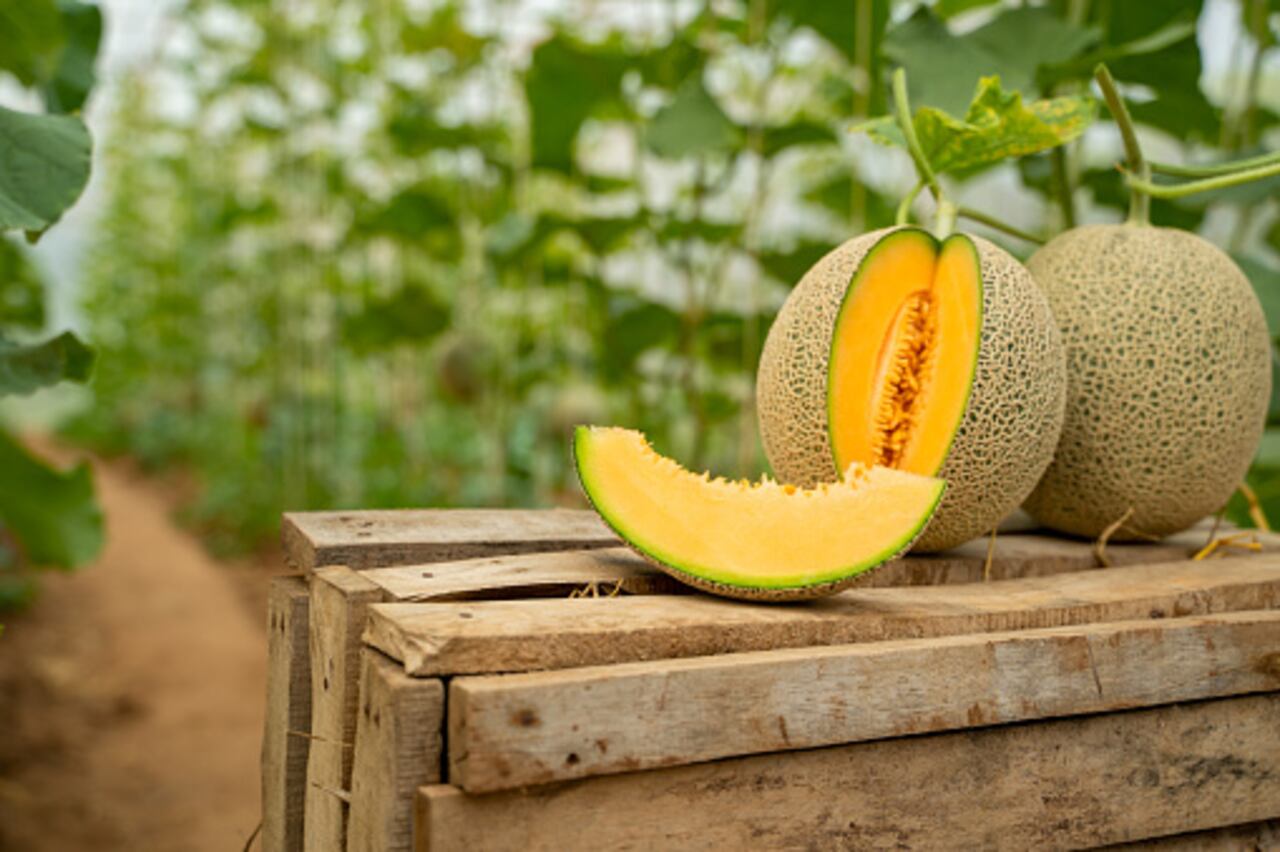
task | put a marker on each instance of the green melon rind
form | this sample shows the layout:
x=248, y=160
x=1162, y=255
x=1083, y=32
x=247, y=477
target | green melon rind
x=1170, y=379
x=726, y=583
x=853, y=286
x=1016, y=401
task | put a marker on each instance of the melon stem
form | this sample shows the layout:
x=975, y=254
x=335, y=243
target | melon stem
x=1139, y=199
x=1214, y=169
x=904, y=206
x=1222, y=181
x=902, y=112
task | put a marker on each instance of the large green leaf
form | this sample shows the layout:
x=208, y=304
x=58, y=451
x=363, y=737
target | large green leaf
x=944, y=67
x=1265, y=279
x=413, y=314
x=21, y=294
x=51, y=513
x=778, y=138
x=567, y=81
x=996, y=126
x=31, y=39
x=25, y=368
x=789, y=265
x=634, y=327
x=692, y=124
x=44, y=165
x=68, y=88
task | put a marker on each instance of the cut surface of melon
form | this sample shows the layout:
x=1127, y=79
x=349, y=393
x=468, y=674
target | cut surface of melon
x=765, y=540
x=904, y=351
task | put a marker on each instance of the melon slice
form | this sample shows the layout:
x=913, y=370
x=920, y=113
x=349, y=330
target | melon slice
x=762, y=541
x=904, y=352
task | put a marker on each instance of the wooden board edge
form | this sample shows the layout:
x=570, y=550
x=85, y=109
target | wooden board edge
x=287, y=719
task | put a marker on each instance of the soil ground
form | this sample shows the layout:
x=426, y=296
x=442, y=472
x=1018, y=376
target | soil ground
x=131, y=693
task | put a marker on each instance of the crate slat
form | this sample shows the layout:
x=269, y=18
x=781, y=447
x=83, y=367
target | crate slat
x=510, y=731
x=1064, y=783
x=369, y=539
x=339, y=600
x=398, y=748
x=288, y=715
x=531, y=635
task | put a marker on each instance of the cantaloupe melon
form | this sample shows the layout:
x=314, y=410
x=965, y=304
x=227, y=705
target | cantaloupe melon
x=932, y=357
x=763, y=541
x=1169, y=379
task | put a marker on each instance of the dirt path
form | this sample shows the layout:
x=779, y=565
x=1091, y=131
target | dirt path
x=131, y=696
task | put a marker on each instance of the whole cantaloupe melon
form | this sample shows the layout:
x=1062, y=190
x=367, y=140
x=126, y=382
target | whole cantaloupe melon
x=1169, y=372
x=986, y=412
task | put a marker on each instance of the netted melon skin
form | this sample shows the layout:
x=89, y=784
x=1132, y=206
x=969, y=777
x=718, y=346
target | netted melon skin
x=1015, y=413
x=1169, y=379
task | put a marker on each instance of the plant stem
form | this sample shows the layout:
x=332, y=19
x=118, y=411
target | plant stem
x=992, y=222
x=1139, y=200
x=902, y=112
x=1181, y=190
x=1214, y=169
x=904, y=207
x=945, y=217
x=1062, y=187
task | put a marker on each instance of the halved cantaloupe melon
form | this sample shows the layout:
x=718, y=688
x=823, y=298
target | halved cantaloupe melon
x=762, y=541
x=935, y=357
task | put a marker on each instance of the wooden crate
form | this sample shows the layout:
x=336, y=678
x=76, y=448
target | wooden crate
x=476, y=704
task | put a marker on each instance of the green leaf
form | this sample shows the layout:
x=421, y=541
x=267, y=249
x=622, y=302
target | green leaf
x=567, y=81
x=413, y=314
x=52, y=514
x=997, y=126
x=74, y=77
x=21, y=294
x=32, y=40
x=790, y=265
x=781, y=137
x=635, y=327
x=950, y=8
x=692, y=124
x=1022, y=41
x=44, y=166
x=24, y=368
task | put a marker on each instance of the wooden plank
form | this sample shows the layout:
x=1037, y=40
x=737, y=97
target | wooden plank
x=1058, y=784
x=288, y=716
x=510, y=731
x=515, y=636
x=339, y=600
x=398, y=749
x=1251, y=837
x=525, y=575
x=370, y=539
x=557, y=574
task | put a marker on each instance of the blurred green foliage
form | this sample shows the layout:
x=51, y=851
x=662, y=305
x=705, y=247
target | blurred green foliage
x=48, y=518
x=388, y=254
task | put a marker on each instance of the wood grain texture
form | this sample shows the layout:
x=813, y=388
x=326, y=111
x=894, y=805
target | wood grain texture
x=510, y=731
x=397, y=749
x=1059, y=784
x=517, y=636
x=552, y=574
x=288, y=715
x=370, y=539
x=340, y=598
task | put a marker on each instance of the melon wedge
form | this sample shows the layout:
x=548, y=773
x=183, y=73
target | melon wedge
x=761, y=541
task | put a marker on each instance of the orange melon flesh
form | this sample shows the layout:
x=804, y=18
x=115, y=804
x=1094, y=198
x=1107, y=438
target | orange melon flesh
x=904, y=352
x=733, y=537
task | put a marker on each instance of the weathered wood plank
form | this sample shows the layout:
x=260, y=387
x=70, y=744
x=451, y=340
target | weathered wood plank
x=524, y=575
x=339, y=600
x=516, y=636
x=552, y=574
x=397, y=750
x=1251, y=837
x=509, y=731
x=288, y=716
x=1059, y=784
x=370, y=539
